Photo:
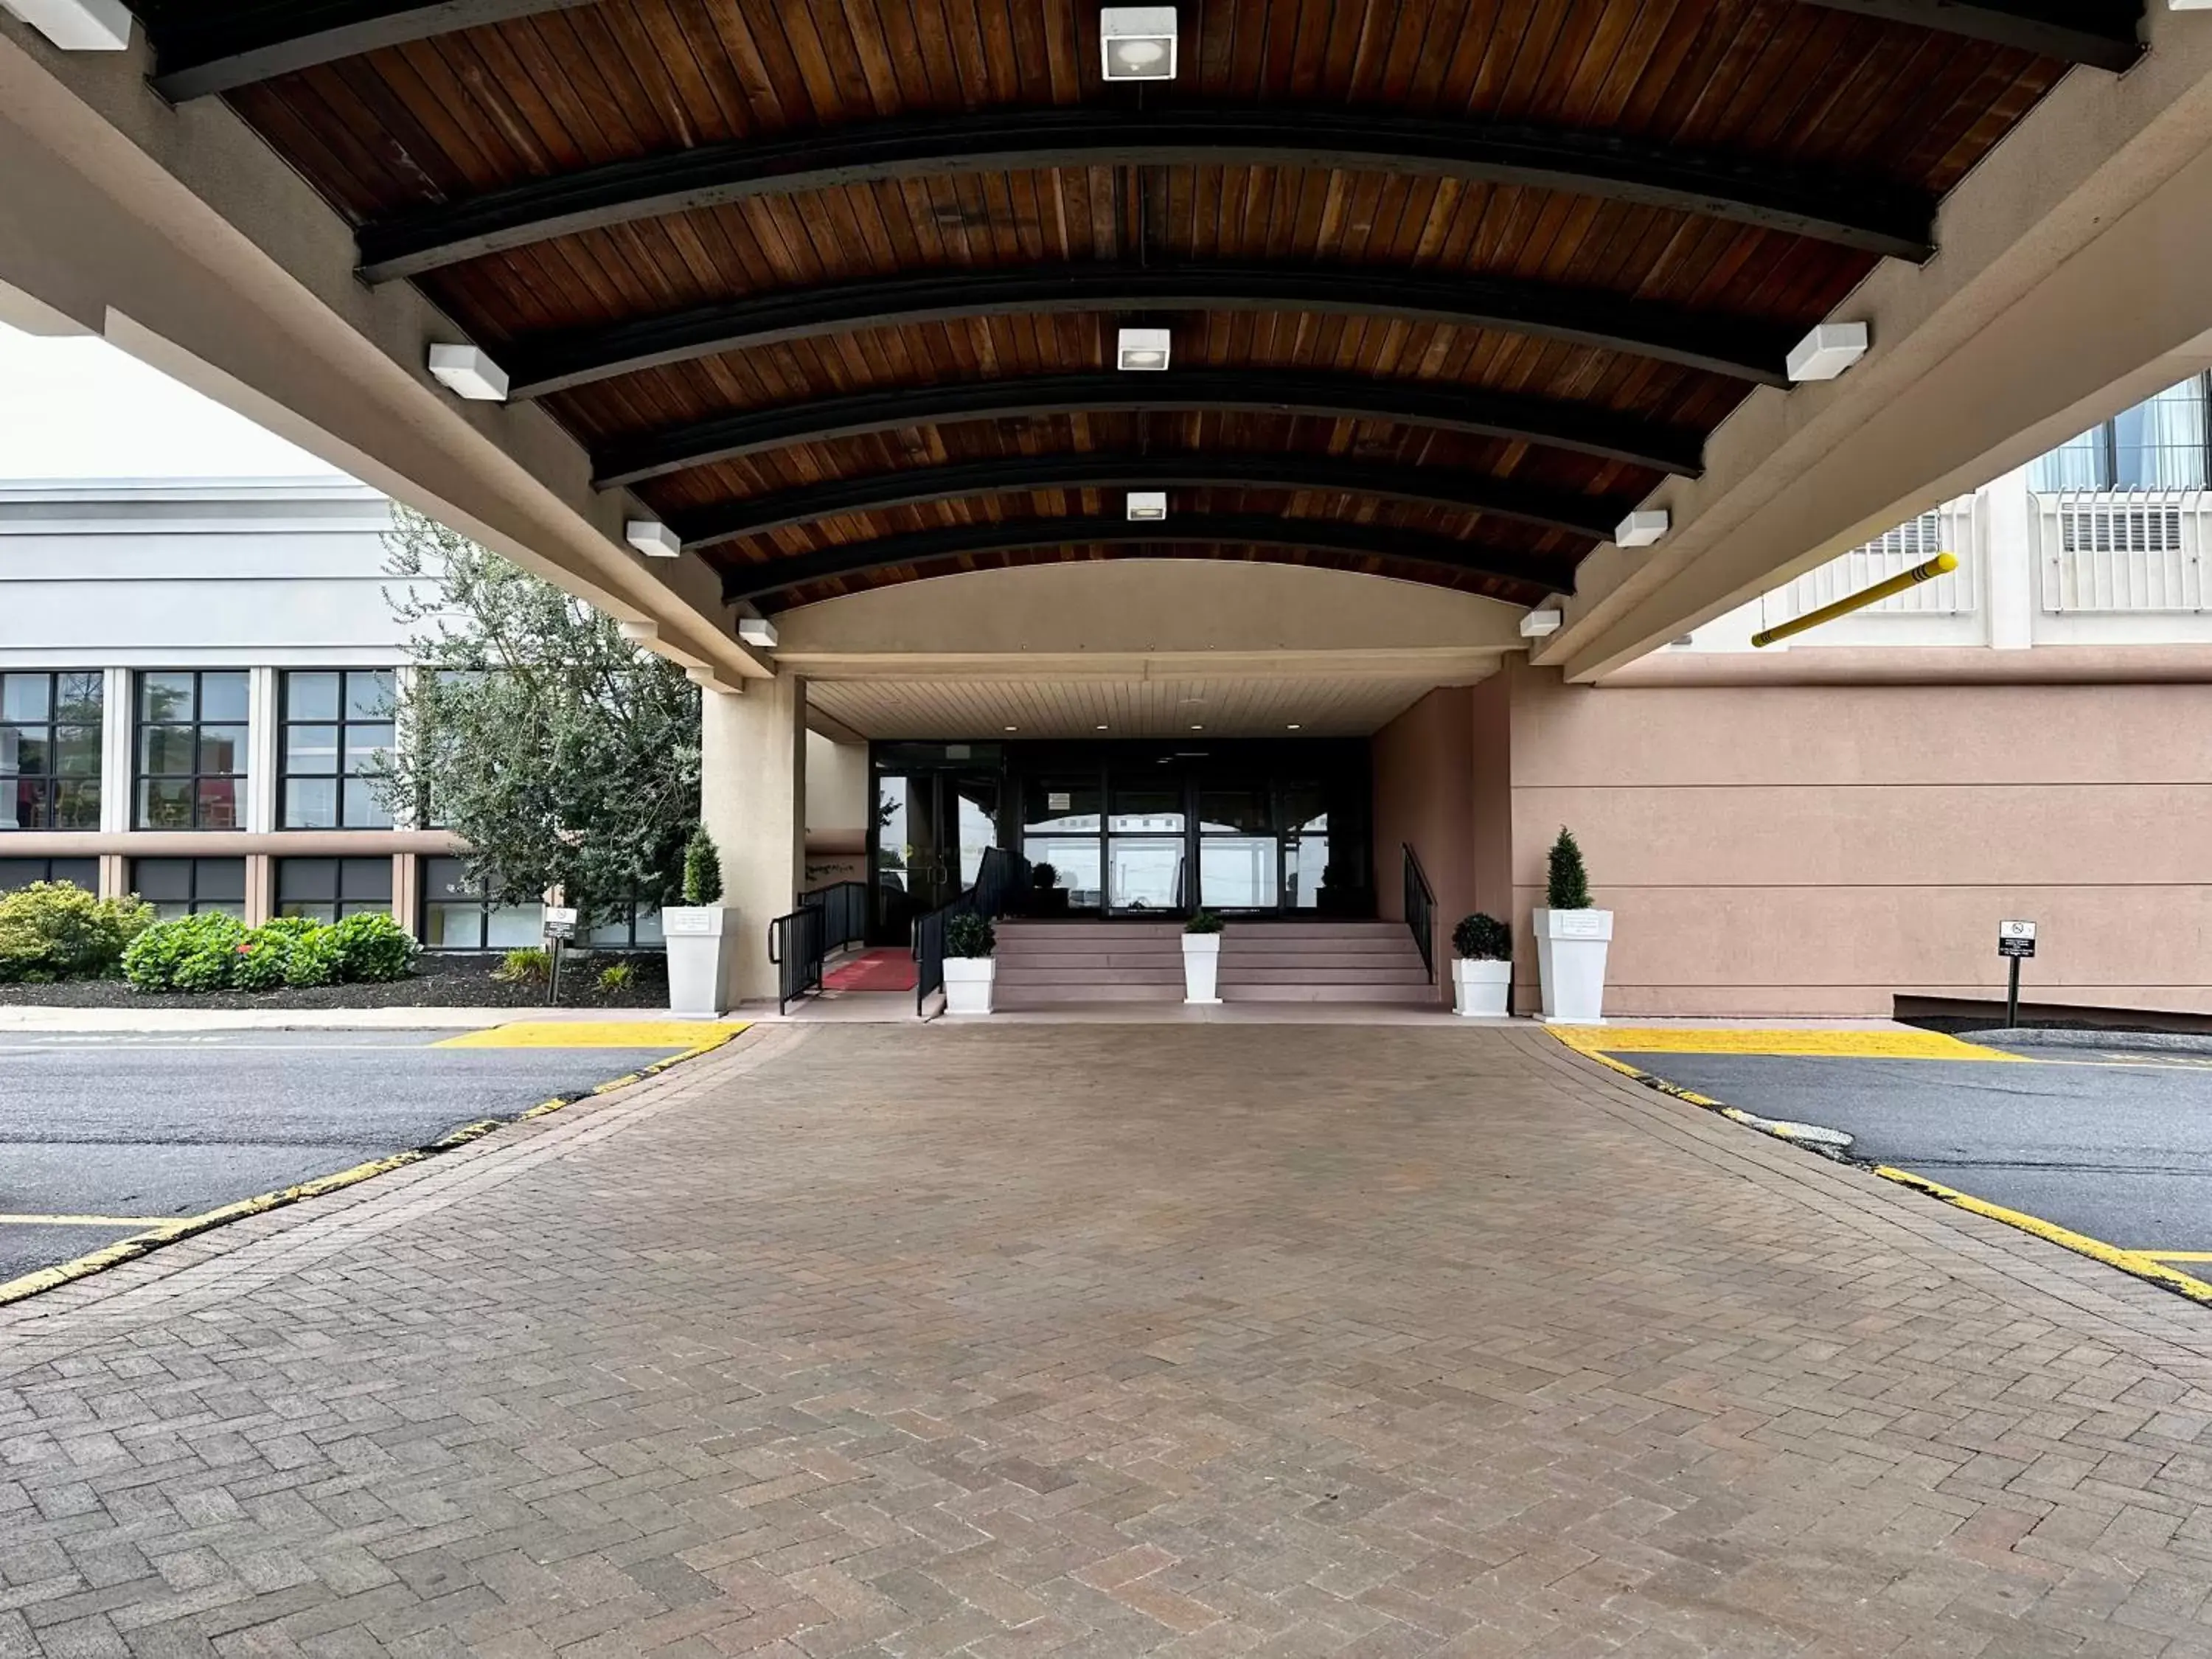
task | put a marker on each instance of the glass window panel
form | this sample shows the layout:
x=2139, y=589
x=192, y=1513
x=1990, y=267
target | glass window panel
x=1075, y=860
x=648, y=925
x=1239, y=872
x=514, y=926
x=26, y=804
x=613, y=934
x=165, y=803
x=223, y=696
x=161, y=879
x=311, y=696
x=80, y=697
x=306, y=878
x=223, y=750
x=1061, y=803
x=314, y=910
x=368, y=879
x=2159, y=443
x=448, y=878
x=363, y=743
x=310, y=803
x=364, y=908
x=76, y=750
x=1148, y=807
x=1305, y=858
x=448, y=927
x=26, y=697
x=1144, y=872
x=312, y=749
x=222, y=879
x=216, y=799
x=24, y=750
x=1235, y=812
x=165, y=696
x=2077, y=463
x=78, y=872
x=16, y=874
x=166, y=752
x=76, y=805
x=363, y=809
x=371, y=694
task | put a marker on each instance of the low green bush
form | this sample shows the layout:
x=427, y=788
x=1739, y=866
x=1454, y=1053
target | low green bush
x=526, y=967
x=266, y=952
x=192, y=953
x=52, y=931
x=373, y=949
x=968, y=935
x=1481, y=938
x=316, y=958
x=1203, y=921
x=617, y=976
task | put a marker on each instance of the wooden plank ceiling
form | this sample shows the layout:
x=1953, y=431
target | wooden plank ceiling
x=832, y=286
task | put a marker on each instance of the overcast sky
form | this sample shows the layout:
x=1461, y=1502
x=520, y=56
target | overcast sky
x=81, y=408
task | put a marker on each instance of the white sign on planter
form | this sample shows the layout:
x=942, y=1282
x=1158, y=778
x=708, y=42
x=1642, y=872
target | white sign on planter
x=1201, y=968
x=1571, y=951
x=1480, y=988
x=701, y=940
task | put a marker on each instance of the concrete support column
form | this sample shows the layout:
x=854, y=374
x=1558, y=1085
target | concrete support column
x=118, y=741
x=753, y=799
x=407, y=892
x=261, y=752
x=260, y=889
x=2010, y=555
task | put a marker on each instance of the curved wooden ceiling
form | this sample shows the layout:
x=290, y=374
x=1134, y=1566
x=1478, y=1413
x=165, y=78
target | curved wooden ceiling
x=832, y=285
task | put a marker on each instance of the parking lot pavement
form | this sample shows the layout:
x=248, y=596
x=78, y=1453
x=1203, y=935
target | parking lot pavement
x=2113, y=1144
x=103, y=1137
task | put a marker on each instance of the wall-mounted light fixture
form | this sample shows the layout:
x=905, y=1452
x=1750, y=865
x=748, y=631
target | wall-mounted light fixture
x=1540, y=624
x=1827, y=351
x=468, y=371
x=652, y=538
x=81, y=25
x=758, y=631
x=1643, y=527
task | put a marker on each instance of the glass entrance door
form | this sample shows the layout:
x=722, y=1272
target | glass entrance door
x=932, y=828
x=1147, y=849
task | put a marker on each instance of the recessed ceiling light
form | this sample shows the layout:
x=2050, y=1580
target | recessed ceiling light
x=1642, y=529
x=1143, y=350
x=1198, y=728
x=1137, y=43
x=105, y=25
x=1827, y=351
x=1102, y=728
x=468, y=371
x=1148, y=504
x=1014, y=728
x=1293, y=725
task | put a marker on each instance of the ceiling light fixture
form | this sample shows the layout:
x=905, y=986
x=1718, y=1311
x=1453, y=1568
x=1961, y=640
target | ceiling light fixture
x=757, y=630
x=1642, y=529
x=1293, y=726
x=100, y=25
x=652, y=538
x=1198, y=728
x=1145, y=505
x=468, y=371
x=1145, y=349
x=1014, y=728
x=1827, y=351
x=1102, y=728
x=1137, y=43
x=1538, y=624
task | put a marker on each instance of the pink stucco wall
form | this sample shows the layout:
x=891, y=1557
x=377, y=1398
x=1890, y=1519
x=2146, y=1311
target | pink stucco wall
x=1425, y=798
x=1819, y=849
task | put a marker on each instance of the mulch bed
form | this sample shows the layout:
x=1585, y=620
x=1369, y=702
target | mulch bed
x=439, y=982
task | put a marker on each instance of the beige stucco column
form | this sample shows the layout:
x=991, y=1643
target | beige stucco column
x=753, y=795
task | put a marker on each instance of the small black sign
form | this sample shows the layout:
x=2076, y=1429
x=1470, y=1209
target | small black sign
x=568, y=930
x=2015, y=947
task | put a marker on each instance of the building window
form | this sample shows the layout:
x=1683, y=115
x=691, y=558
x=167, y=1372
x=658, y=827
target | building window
x=2160, y=444
x=192, y=745
x=50, y=750
x=16, y=874
x=331, y=889
x=335, y=725
x=191, y=887
x=459, y=914
x=636, y=928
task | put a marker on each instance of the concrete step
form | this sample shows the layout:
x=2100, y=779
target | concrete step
x=1015, y=997
x=1092, y=976
x=1409, y=996
x=1372, y=950
x=1100, y=960
x=1415, y=975
x=1244, y=930
x=1014, y=928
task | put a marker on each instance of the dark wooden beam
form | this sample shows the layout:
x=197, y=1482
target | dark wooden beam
x=207, y=49
x=1580, y=428
x=1744, y=348
x=2101, y=34
x=1869, y=215
x=1533, y=574
x=1002, y=475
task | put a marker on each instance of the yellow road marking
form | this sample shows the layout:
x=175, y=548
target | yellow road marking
x=688, y=1034
x=85, y=1220
x=1855, y=1045
x=2177, y=1255
x=169, y=1232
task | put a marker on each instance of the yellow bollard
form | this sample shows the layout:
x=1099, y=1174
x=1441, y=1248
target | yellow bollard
x=1942, y=564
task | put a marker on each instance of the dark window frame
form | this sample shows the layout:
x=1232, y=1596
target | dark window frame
x=341, y=903
x=342, y=724
x=240, y=779
x=85, y=786
x=46, y=867
x=196, y=868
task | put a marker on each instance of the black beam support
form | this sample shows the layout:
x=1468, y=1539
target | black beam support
x=2101, y=34
x=1001, y=475
x=1533, y=574
x=1872, y=216
x=218, y=48
x=1743, y=348
x=1581, y=429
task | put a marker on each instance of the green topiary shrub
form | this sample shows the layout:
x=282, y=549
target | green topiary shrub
x=1202, y=921
x=316, y=958
x=53, y=931
x=1481, y=937
x=703, y=870
x=968, y=935
x=373, y=949
x=192, y=953
x=1568, y=887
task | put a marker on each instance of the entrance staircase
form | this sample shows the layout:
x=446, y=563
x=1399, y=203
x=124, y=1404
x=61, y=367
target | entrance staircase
x=1065, y=965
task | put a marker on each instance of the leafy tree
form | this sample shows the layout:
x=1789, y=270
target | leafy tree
x=564, y=756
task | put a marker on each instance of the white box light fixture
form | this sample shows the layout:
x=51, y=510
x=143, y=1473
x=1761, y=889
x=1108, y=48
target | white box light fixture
x=1145, y=349
x=1540, y=624
x=468, y=372
x=1148, y=504
x=652, y=538
x=1642, y=529
x=1827, y=351
x=77, y=25
x=757, y=630
x=1137, y=43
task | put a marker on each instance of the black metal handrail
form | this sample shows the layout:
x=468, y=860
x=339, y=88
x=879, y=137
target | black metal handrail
x=1421, y=911
x=999, y=880
x=795, y=946
x=844, y=907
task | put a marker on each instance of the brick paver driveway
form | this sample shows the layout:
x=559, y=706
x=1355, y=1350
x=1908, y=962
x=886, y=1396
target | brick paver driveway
x=1081, y=1341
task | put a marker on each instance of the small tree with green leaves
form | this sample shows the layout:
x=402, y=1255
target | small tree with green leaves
x=562, y=755
x=1568, y=885
x=702, y=869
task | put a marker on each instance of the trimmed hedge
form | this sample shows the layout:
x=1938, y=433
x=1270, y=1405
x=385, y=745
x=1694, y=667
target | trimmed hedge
x=219, y=953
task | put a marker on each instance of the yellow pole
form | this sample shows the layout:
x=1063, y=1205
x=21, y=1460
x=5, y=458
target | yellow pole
x=1939, y=565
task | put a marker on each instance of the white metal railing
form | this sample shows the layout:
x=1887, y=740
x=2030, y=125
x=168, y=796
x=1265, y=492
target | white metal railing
x=1946, y=528
x=2122, y=552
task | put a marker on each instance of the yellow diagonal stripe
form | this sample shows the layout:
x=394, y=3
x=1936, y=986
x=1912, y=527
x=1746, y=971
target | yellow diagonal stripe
x=1851, y=1045
x=597, y=1034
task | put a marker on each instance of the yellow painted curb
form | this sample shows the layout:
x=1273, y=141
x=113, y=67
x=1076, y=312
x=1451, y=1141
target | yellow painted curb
x=169, y=1232
x=1842, y=1045
x=596, y=1034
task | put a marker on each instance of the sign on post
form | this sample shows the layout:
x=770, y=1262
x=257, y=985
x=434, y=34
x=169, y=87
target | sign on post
x=559, y=921
x=2015, y=939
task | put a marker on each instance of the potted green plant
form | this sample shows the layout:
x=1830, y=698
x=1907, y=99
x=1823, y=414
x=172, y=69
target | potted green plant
x=1572, y=937
x=970, y=971
x=1047, y=897
x=1482, y=967
x=701, y=938
x=1201, y=959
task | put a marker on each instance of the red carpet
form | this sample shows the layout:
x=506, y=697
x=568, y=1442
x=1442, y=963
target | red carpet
x=888, y=969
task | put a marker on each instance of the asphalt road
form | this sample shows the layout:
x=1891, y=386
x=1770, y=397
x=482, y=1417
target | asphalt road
x=2118, y=1146
x=140, y=1128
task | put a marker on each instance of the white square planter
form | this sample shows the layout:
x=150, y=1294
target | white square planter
x=968, y=984
x=1571, y=948
x=1480, y=989
x=701, y=944
x=1201, y=968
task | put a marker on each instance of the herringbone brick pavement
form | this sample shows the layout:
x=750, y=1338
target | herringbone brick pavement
x=1098, y=1340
